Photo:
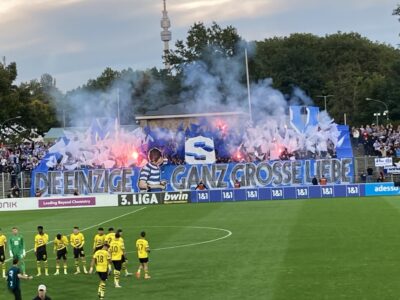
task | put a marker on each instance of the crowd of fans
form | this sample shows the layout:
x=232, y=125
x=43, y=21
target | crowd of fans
x=23, y=157
x=377, y=140
x=20, y=158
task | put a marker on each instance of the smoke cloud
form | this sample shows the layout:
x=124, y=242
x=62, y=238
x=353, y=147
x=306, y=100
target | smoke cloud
x=213, y=85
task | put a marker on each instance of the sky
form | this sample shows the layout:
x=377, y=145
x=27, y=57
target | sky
x=75, y=40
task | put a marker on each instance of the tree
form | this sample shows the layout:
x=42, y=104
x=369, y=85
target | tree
x=32, y=101
x=9, y=97
x=47, y=82
x=104, y=81
x=290, y=61
x=201, y=42
x=396, y=11
x=346, y=65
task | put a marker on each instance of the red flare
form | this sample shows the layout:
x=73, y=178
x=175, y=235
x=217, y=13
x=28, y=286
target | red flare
x=135, y=155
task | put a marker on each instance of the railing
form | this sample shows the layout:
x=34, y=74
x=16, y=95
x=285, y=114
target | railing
x=362, y=164
x=22, y=180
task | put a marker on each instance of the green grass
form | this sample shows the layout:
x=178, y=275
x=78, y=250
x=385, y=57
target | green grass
x=311, y=249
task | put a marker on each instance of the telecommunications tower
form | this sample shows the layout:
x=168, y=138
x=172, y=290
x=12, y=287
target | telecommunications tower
x=165, y=33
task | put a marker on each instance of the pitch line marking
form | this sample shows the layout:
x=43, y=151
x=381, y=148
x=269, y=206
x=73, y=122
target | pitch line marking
x=90, y=227
x=228, y=234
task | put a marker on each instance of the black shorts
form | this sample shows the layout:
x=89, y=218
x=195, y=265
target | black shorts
x=117, y=264
x=144, y=260
x=123, y=259
x=17, y=293
x=78, y=252
x=103, y=275
x=62, y=254
x=2, y=255
x=41, y=254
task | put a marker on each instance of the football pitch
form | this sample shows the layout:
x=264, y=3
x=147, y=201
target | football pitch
x=345, y=248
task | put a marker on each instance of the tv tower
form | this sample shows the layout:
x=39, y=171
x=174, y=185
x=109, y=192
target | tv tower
x=165, y=34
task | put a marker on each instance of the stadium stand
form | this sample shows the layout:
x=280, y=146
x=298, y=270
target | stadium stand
x=369, y=141
x=373, y=140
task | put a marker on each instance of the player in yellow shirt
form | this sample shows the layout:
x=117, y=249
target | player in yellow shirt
x=101, y=259
x=77, y=241
x=117, y=250
x=60, y=246
x=99, y=240
x=124, y=258
x=3, y=243
x=41, y=240
x=110, y=235
x=143, y=250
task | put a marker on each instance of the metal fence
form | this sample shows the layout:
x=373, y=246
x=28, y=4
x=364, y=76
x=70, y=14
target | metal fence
x=362, y=164
x=23, y=179
x=8, y=181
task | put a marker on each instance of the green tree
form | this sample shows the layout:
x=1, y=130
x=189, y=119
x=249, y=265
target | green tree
x=38, y=105
x=346, y=65
x=396, y=11
x=47, y=82
x=202, y=43
x=104, y=81
x=290, y=61
x=32, y=101
x=9, y=98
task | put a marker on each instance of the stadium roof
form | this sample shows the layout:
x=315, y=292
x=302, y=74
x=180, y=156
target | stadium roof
x=181, y=110
x=54, y=133
x=58, y=132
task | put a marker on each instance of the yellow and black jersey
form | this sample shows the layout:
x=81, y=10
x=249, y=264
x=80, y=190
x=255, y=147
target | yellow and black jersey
x=101, y=258
x=77, y=240
x=99, y=241
x=3, y=241
x=41, y=240
x=60, y=244
x=142, y=246
x=117, y=250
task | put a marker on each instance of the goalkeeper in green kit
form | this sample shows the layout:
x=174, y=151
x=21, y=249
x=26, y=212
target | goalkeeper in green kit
x=17, y=248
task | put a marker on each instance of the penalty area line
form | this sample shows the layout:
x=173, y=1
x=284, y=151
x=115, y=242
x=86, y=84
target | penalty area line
x=93, y=226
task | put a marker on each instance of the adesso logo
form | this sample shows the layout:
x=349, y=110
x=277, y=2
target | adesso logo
x=383, y=189
x=386, y=189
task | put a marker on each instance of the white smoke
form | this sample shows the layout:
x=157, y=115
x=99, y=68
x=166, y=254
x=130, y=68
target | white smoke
x=218, y=85
x=221, y=87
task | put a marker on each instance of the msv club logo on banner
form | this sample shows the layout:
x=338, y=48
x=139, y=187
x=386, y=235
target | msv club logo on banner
x=302, y=117
x=200, y=150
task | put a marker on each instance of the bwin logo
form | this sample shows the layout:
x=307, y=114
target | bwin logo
x=301, y=117
x=199, y=150
x=176, y=197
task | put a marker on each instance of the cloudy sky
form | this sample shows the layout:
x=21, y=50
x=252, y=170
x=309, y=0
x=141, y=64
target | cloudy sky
x=75, y=40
